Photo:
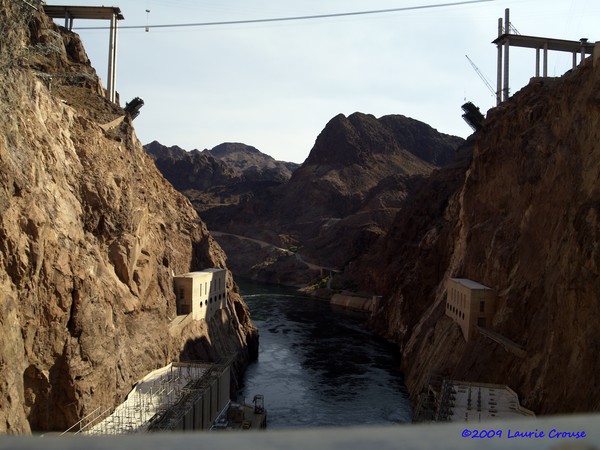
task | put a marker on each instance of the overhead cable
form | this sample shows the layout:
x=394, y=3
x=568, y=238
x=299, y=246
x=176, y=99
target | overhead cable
x=294, y=18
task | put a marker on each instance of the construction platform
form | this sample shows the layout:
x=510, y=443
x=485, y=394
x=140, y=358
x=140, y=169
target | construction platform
x=177, y=397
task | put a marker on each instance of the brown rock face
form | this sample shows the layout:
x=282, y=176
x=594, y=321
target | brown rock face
x=523, y=220
x=343, y=197
x=90, y=236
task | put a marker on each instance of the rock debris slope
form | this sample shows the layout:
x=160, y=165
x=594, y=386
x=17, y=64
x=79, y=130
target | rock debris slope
x=90, y=236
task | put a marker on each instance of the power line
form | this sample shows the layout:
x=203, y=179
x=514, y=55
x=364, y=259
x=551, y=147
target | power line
x=294, y=18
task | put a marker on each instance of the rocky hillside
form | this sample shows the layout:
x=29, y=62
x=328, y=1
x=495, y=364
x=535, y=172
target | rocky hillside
x=251, y=164
x=339, y=202
x=221, y=176
x=523, y=218
x=90, y=237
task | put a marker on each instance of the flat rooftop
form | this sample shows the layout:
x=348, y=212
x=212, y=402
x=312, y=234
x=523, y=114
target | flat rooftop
x=470, y=284
x=83, y=12
x=199, y=273
x=559, y=45
x=479, y=402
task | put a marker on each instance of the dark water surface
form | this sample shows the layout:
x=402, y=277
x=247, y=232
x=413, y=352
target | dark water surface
x=318, y=366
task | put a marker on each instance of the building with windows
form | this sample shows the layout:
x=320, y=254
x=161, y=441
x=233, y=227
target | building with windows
x=469, y=304
x=201, y=293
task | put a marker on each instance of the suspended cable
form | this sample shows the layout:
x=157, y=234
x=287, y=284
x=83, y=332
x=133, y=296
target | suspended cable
x=294, y=18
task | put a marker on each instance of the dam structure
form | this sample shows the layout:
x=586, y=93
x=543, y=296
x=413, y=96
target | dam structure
x=177, y=397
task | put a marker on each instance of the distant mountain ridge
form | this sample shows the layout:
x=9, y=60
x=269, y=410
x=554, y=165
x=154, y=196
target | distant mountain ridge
x=221, y=176
x=331, y=208
x=251, y=163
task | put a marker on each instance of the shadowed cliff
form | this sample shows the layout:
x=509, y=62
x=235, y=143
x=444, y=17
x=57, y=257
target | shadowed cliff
x=522, y=218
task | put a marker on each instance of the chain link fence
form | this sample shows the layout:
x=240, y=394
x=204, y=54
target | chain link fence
x=15, y=19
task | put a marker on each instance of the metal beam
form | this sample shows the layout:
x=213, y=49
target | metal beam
x=83, y=12
x=558, y=45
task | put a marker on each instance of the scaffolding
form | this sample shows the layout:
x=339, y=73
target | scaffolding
x=171, y=418
x=508, y=37
x=16, y=16
x=158, y=402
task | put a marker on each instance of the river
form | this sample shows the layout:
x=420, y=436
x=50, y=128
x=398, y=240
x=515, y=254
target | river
x=319, y=366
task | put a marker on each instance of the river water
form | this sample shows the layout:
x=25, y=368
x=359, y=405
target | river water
x=318, y=366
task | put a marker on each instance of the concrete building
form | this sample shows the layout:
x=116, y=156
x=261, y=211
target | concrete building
x=469, y=304
x=201, y=293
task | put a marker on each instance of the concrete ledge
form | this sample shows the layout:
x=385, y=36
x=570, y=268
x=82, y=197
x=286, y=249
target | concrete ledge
x=409, y=437
x=355, y=303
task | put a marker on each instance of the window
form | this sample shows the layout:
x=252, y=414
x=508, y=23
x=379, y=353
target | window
x=481, y=322
x=181, y=293
x=482, y=306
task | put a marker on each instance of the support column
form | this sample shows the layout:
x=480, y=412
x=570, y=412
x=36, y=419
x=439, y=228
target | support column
x=596, y=55
x=499, y=70
x=506, y=53
x=583, y=43
x=112, y=59
x=546, y=60
x=537, y=62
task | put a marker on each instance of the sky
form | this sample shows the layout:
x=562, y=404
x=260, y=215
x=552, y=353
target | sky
x=276, y=85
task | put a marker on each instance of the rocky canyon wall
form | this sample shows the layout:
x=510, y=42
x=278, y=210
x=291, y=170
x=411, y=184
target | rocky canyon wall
x=523, y=218
x=90, y=237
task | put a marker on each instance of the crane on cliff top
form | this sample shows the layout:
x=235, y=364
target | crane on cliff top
x=482, y=76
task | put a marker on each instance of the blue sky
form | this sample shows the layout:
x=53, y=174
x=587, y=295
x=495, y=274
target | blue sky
x=276, y=85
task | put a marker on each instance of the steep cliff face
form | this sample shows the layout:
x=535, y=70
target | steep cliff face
x=525, y=222
x=90, y=236
x=351, y=157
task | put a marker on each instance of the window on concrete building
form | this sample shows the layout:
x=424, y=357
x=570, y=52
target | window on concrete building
x=181, y=294
x=481, y=322
x=482, y=306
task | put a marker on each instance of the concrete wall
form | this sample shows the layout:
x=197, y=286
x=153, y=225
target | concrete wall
x=201, y=293
x=209, y=404
x=183, y=291
x=224, y=388
x=355, y=303
x=469, y=304
x=449, y=436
